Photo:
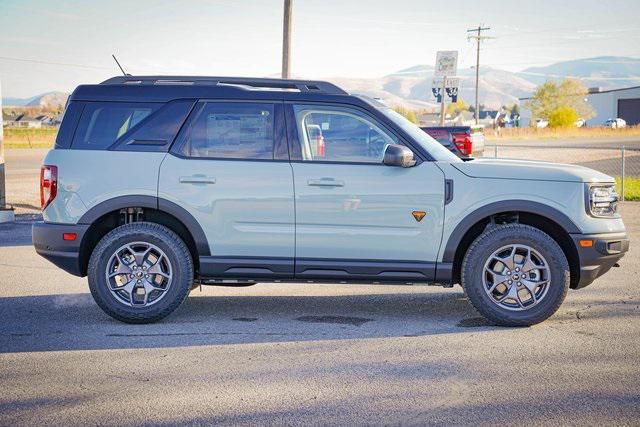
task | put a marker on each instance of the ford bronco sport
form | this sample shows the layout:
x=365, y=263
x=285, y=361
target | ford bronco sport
x=160, y=184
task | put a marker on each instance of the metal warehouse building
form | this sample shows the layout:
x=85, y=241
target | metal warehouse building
x=608, y=104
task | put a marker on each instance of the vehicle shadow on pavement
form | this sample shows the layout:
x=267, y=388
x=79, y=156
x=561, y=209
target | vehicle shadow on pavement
x=74, y=322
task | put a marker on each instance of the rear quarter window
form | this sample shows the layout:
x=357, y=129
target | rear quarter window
x=102, y=123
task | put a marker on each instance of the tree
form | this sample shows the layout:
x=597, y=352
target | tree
x=563, y=117
x=457, y=107
x=515, y=109
x=552, y=95
x=409, y=114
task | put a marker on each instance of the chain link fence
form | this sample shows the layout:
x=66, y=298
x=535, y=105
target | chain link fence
x=621, y=163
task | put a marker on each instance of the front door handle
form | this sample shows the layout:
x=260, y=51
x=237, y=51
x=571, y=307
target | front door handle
x=197, y=179
x=325, y=182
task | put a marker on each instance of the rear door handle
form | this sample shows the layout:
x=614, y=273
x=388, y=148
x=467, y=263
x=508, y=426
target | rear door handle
x=197, y=179
x=325, y=182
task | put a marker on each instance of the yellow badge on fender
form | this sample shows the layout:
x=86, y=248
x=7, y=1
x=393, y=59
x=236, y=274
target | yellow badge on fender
x=418, y=215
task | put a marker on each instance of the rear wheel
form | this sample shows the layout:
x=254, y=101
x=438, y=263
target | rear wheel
x=140, y=272
x=515, y=275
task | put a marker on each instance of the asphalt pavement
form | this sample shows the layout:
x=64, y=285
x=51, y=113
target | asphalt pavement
x=608, y=142
x=299, y=354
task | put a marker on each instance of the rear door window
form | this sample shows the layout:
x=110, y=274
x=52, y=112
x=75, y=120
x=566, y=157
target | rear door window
x=102, y=123
x=234, y=130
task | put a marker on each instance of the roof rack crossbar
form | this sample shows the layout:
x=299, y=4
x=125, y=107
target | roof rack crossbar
x=257, y=83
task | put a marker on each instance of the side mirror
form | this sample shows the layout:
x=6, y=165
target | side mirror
x=398, y=155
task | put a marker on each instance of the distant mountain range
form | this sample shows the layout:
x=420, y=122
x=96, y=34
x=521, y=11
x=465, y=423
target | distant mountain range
x=411, y=87
x=606, y=72
x=51, y=100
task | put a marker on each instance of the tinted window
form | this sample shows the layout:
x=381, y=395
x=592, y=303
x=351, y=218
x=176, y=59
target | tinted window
x=158, y=132
x=232, y=130
x=69, y=123
x=102, y=123
x=340, y=135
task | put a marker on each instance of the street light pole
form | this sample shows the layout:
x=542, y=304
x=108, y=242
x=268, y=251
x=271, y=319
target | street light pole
x=286, y=40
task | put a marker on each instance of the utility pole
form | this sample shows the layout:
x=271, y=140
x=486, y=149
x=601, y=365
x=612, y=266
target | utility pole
x=286, y=40
x=478, y=37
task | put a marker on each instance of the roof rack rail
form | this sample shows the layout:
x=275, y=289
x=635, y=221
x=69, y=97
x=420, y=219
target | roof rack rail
x=253, y=83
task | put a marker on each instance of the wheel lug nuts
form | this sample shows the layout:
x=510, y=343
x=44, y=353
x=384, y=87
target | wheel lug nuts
x=510, y=281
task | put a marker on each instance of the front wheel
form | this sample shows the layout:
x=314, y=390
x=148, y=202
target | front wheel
x=515, y=275
x=140, y=272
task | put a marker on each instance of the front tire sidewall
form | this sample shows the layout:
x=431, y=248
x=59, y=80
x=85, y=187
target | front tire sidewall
x=169, y=243
x=491, y=241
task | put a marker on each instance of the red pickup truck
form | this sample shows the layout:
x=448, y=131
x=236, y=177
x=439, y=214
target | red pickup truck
x=464, y=141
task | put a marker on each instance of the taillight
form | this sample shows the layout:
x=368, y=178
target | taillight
x=463, y=142
x=48, y=184
x=320, y=146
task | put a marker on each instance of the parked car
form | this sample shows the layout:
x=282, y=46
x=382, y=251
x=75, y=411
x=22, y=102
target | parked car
x=541, y=123
x=463, y=141
x=580, y=123
x=159, y=184
x=615, y=123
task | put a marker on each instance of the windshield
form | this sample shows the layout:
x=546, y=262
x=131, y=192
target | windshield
x=430, y=145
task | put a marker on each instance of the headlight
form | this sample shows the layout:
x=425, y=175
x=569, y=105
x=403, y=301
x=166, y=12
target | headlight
x=602, y=200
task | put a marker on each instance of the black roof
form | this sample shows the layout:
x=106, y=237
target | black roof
x=250, y=82
x=167, y=88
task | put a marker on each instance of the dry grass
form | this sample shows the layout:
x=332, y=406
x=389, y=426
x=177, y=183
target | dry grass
x=560, y=133
x=29, y=138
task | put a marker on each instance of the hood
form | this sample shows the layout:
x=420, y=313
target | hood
x=529, y=170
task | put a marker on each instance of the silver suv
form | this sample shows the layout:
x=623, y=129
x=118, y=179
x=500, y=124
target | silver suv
x=159, y=184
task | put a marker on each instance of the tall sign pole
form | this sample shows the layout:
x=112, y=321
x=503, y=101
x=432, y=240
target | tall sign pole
x=286, y=40
x=478, y=38
x=442, y=109
x=446, y=66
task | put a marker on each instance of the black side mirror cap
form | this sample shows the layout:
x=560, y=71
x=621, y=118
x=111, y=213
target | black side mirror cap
x=398, y=155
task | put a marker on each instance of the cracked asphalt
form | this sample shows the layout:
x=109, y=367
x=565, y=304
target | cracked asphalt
x=298, y=354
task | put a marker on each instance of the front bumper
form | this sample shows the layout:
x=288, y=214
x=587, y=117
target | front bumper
x=49, y=243
x=595, y=260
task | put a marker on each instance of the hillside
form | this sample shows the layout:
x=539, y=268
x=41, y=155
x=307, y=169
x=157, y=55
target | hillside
x=411, y=87
x=49, y=100
x=604, y=71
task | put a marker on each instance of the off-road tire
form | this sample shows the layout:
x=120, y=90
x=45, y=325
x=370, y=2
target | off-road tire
x=158, y=235
x=494, y=238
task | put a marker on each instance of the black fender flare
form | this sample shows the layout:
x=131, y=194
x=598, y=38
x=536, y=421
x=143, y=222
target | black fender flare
x=151, y=202
x=504, y=206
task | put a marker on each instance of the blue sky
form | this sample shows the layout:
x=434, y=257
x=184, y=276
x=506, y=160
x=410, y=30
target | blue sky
x=346, y=38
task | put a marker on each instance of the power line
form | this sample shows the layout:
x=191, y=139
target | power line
x=65, y=64
x=478, y=37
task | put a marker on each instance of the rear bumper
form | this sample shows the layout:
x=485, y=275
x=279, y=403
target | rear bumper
x=48, y=242
x=606, y=251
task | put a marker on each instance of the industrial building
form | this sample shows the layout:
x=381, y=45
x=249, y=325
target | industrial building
x=621, y=103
